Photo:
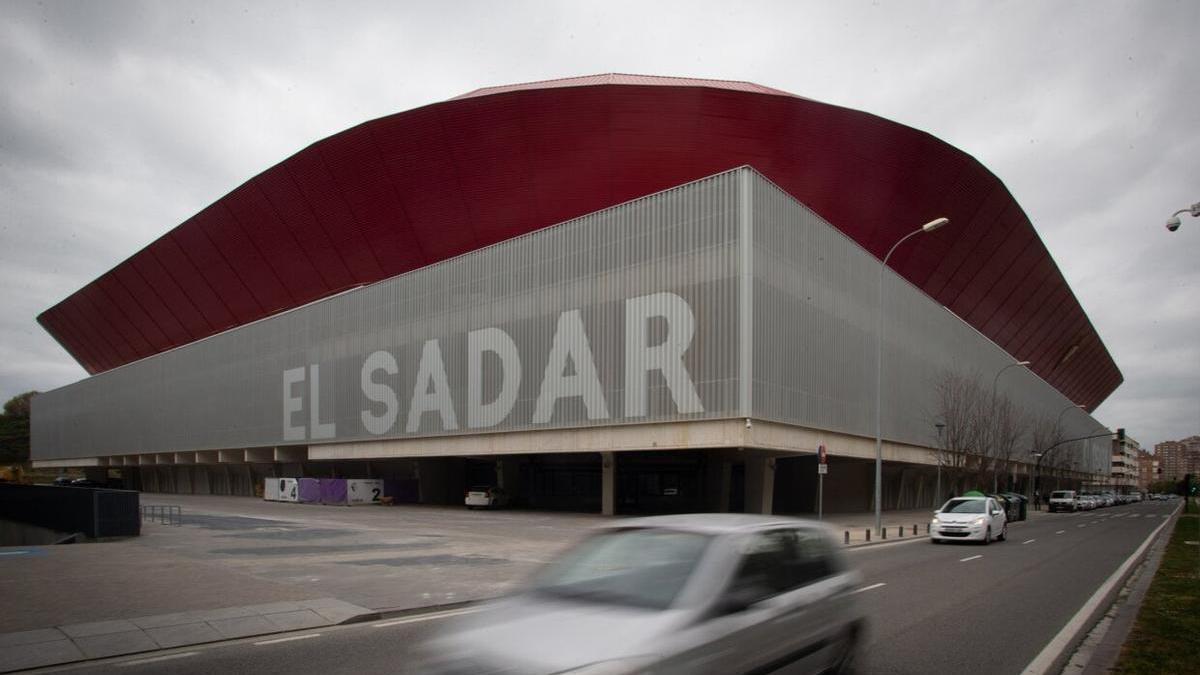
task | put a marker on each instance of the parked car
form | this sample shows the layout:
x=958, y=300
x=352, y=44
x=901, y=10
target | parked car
x=84, y=482
x=62, y=481
x=485, y=497
x=969, y=519
x=712, y=593
x=1064, y=500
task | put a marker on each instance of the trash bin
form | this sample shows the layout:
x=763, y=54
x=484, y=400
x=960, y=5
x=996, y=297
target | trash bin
x=1020, y=506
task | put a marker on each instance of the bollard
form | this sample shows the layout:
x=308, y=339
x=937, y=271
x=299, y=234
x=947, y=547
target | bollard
x=868, y=534
x=900, y=529
x=847, y=537
x=926, y=528
x=914, y=528
x=883, y=533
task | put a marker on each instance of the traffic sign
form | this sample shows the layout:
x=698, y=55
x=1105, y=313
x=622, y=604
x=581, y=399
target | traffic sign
x=822, y=468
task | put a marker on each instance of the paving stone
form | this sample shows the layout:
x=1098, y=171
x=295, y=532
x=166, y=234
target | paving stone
x=27, y=637
x=79, y=630
x=115, y=644
x=218, y=614
x=20, y=657
x=175, y=619
x=321, y=603
x=185, y=634
x=305, y=618
x=336, y=615
x=274, y=608
x=243, y=626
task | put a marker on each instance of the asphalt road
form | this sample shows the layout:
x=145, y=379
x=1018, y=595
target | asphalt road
x=950, y=608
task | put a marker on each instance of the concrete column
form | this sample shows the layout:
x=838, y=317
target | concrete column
x=760, y=484
x=608, y=484
x=717, y=474
x=508, y=474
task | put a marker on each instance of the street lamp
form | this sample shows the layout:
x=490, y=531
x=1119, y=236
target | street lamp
x=1038, y=455
x=995, y=381
x=927, y=227
x=938, y=499
x=1173, y=221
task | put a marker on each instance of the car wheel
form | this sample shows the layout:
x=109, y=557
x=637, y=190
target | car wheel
x=845, y=661
x=987, y=536
x=1003, y=533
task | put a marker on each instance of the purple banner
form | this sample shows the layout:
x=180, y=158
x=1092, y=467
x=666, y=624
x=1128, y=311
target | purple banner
x=310, y=490
x=333, y=491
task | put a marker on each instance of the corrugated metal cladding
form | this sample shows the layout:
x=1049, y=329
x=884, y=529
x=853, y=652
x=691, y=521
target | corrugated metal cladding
x=625, y=315
x=816, y=293
x=412, y=189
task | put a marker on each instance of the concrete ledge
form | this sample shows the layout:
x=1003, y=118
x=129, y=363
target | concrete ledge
x=104, y=639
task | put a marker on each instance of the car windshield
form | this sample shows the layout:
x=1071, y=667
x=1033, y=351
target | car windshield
x=1060, y=495
x=638, y=567
x=963, y=506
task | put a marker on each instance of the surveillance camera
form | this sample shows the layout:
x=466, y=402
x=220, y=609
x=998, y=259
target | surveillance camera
x=1173, y=223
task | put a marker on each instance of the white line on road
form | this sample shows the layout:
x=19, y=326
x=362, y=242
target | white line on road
x=1029, y=542
x=156, y=659
x=970, y=558
x=286, y=639
x=1166, y=516
x=1060, y=532
x=427, y=617
x=872, y=586
x=1081, y=525
x=1043, y=662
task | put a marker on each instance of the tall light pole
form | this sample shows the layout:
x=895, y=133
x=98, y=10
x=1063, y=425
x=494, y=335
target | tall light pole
x=995, y=381
x=927, y=227
x=938, y=498
x=1173, y=221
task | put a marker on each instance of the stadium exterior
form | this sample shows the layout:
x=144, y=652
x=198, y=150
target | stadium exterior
x=614, y=293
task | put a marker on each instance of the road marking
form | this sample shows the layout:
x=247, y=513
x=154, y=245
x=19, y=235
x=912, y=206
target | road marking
x=1134, y=515
x=970, y=558
x=287, y=639
x=1042, y=663
x=1081, y=525
x=427, y=617
x=156, y=659
x=1029, y=542
x=867, y=588
x=1166, y=516
x=1060, y=532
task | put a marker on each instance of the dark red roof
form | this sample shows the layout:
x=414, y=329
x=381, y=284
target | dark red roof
x=404, y=191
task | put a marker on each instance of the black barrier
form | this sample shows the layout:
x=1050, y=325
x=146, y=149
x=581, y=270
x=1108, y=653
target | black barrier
x=96, y=512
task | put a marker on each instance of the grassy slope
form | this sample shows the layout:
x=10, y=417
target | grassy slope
x=1166, y=637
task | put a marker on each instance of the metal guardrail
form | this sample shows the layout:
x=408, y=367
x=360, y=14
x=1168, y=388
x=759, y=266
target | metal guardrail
x=166, y=514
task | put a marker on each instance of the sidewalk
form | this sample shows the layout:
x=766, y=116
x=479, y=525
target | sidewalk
x=290, y=566
x=102, y=639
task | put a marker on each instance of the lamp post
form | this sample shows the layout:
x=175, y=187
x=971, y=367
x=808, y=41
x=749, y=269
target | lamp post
x=995, y=381
x=938, y=498
x=927, y=227
x=1173, y=221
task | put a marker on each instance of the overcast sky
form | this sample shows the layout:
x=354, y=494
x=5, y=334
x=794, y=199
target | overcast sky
x=119, y=120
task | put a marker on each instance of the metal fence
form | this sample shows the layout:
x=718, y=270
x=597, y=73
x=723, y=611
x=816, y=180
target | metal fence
x=165, y=514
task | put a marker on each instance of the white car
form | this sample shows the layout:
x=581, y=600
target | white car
x=1064, y=500
x=969, y=519
x=485, y=496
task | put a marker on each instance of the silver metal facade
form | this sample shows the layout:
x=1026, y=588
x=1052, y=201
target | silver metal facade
x=632, y=314
x=815, y=298
x=625, y=315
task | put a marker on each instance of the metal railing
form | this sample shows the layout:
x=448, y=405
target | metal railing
x=166, y=514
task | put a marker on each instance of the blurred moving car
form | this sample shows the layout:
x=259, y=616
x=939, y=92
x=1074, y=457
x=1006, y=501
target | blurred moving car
x=969, y=519
x=1063, y=500
x=703, y=593
x=485, y=496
